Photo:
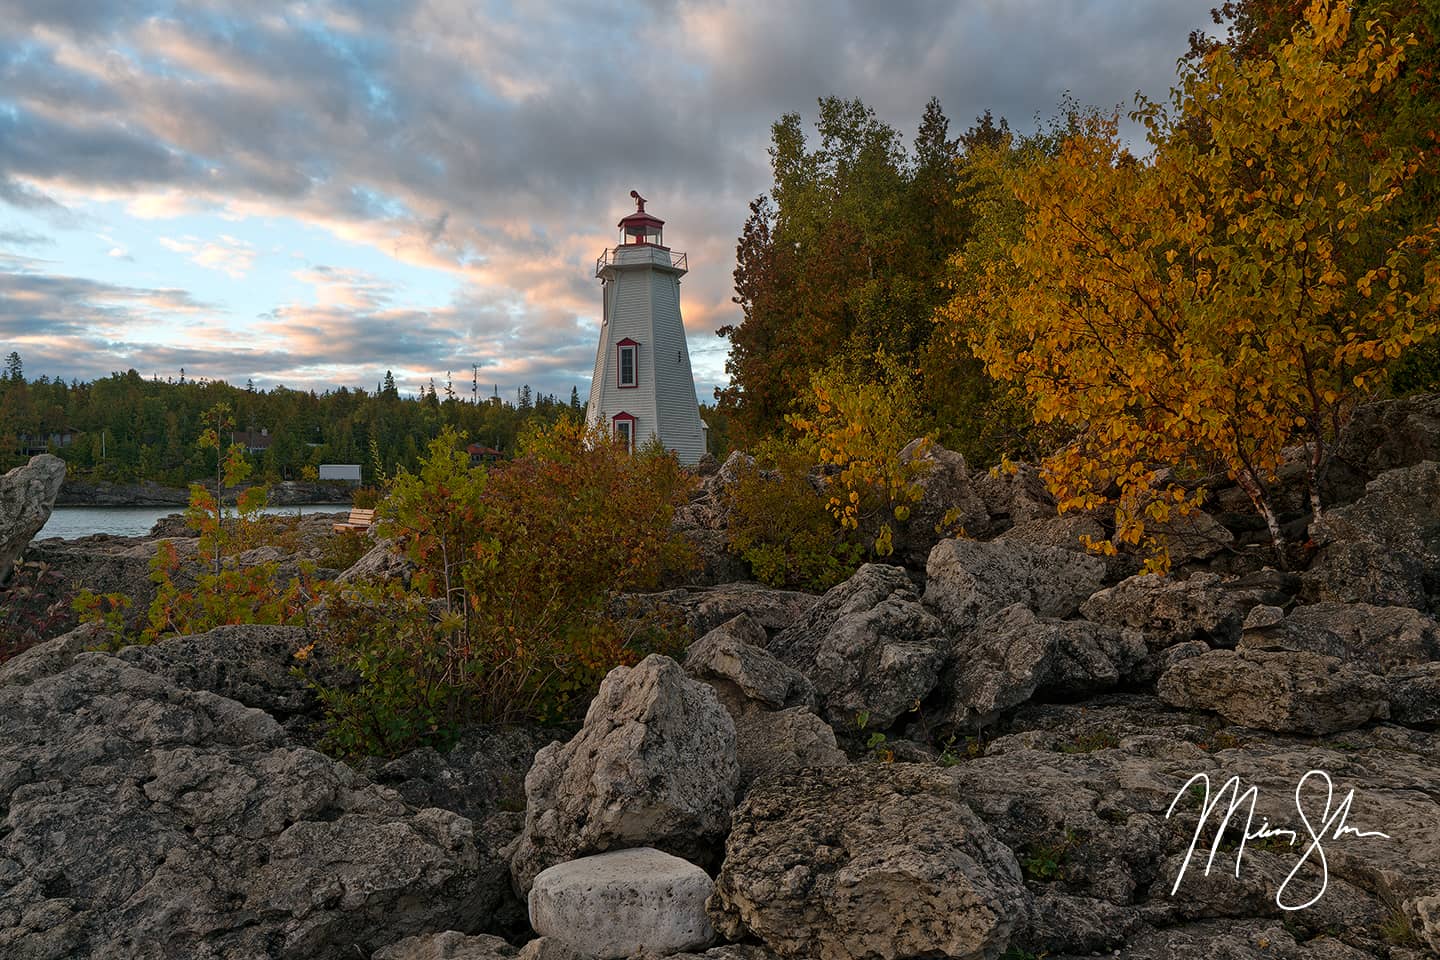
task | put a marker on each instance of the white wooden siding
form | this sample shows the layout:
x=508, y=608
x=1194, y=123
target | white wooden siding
x=643, y=303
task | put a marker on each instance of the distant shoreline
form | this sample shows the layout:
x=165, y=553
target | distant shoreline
x=151, y=494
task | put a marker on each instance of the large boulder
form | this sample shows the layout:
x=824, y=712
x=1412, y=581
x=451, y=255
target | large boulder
x=1277, y=690
x=27, y=495
x=1013, y=655
x=867, y=861
x=769, y=701
x=868, y=646
x=967, y=580
x=1377, y=639
x=1192, y=536
x=382, y=562
x=1014, y=496
x=52, y=656
x=1203, y=607
x=617, y=904
x=145, y=820
x=783, y=742
x=732, y=658
x=251, y=663
x=1385, y=547
x=1383, y=436
x=654, y=765
x=948, y=500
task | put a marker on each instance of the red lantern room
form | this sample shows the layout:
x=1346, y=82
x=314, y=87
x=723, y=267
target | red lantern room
x=641, y=227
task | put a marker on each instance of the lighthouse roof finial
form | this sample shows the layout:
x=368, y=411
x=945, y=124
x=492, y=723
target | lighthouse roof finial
x=639, y=201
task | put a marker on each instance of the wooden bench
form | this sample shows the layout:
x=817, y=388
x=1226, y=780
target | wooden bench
x=358, y=520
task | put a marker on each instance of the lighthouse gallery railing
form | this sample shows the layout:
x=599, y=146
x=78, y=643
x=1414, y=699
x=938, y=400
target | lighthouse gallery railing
x=618, y=255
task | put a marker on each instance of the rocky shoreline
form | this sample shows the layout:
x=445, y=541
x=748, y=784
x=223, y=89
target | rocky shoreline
x=992, y=750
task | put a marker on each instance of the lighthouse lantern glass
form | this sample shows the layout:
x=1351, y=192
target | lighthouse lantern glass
x=641, y=233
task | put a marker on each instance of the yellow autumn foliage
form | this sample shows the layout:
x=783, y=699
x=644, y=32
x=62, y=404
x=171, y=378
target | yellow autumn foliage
x=858, y=425
x=1240, y=290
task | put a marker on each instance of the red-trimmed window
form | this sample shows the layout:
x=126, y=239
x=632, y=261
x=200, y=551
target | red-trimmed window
x=625, y=429
x=627, y=363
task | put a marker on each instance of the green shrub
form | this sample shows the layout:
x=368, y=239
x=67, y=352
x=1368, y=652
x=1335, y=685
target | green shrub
x=781, y=525
x=507, y=615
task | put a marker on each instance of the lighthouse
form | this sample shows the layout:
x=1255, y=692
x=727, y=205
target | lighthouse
x=642, y=386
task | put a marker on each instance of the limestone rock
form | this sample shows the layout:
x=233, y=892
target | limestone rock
x=1064, y=531
x=482, y=773
x=867, y=861
x=148, y=821
x=619, y=903
x=382, y=562
x=250, y=663
x=967, y=581
x=27, y=495
x=1202, y=607
x=1280, y=691
x=1014, y=497
x=1414, y=695
x=1093, y=821
x=1194, y=536
x=732, y=659
x=1228, y=940
x=52, y=656
x=1400, y=512
x=1375, y=638
x=1360, y=571
x=697, y=611
x=450, y=945
x=946, y=490
x=653, y=765
x=1383, y=436
x=1013, y=654
x=783, y=741
x=867, y=646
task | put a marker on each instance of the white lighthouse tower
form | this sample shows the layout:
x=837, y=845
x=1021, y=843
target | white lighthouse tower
x=642, y=386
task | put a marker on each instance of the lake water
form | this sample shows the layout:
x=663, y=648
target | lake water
x=72, y=522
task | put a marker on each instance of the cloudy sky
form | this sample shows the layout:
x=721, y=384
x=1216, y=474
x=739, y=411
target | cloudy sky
x=311, y=193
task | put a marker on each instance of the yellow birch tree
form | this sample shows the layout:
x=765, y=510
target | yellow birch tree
x=1240, y=290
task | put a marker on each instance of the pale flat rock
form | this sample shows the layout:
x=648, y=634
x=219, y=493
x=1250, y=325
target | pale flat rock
x=623, y=902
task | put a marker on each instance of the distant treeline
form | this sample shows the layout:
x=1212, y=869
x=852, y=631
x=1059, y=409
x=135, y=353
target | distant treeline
x=127, y=428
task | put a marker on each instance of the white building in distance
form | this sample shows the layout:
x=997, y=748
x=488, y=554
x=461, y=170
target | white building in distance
x=642, y=386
